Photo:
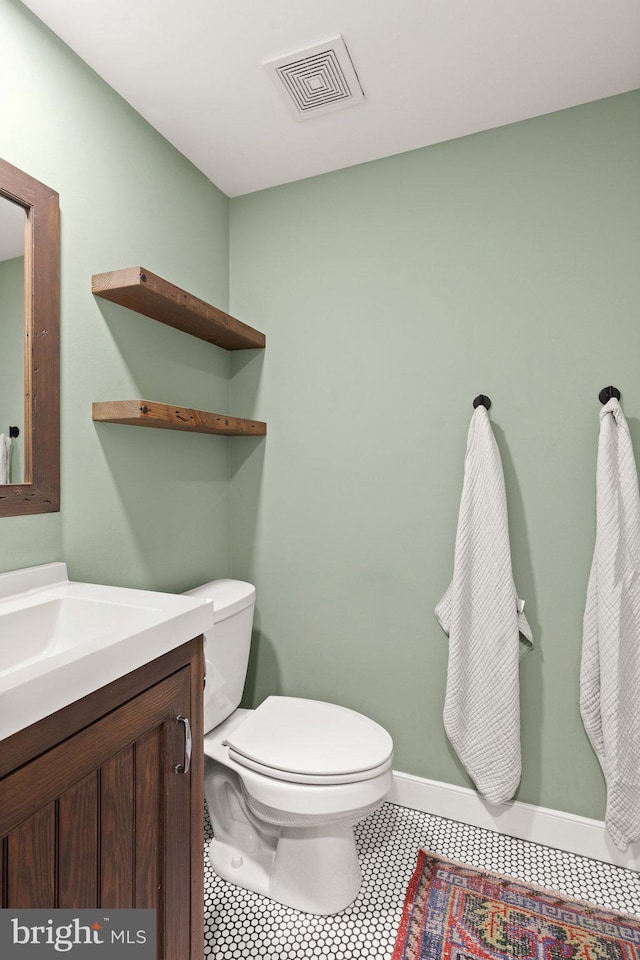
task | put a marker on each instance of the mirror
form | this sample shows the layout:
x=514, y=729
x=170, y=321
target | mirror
x=12, y=393
x=29, y=345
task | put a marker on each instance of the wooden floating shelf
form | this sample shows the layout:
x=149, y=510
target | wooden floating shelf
x=146, y=413
x=140, y=290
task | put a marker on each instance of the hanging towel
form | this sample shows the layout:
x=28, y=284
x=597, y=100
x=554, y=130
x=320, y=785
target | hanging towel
x=488, y=632
x=5, y=458
x=610, y=668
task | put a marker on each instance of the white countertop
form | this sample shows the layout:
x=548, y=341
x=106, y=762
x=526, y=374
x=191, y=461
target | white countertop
x=61, y=640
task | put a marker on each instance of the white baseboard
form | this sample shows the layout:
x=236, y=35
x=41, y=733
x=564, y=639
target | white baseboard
x=553, y=828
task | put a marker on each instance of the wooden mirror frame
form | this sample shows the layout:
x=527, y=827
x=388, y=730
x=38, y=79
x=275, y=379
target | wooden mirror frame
x=40, y=490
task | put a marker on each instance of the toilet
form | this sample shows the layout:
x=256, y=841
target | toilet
x=285, y=783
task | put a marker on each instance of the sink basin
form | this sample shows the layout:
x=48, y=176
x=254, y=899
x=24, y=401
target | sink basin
x=60, y=640
x=49, y=626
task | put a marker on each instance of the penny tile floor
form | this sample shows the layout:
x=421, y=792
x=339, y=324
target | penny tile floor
x=240, y=925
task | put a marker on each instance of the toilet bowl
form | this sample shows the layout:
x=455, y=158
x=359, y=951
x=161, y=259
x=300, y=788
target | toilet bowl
x=288, y=833
x=284, y=783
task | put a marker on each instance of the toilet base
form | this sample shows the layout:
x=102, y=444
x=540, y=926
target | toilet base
x=312, y=869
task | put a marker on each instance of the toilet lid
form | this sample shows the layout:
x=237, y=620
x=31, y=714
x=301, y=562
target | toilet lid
x=308, y=740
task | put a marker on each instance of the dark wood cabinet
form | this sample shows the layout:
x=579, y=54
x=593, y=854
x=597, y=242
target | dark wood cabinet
x=97, y=811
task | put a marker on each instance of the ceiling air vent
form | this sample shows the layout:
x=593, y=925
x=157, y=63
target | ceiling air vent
x=317, y=80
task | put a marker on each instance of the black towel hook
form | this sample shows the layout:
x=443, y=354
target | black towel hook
x=607, y=393
x=481, y=400
x=14, y=431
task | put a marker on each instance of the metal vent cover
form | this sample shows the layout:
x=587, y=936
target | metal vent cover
x=316, y=79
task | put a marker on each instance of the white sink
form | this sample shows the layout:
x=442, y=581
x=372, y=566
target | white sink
x=48, y=626
x=60, y=640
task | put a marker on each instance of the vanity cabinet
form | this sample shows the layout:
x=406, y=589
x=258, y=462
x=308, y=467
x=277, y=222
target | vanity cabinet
x=97, y=811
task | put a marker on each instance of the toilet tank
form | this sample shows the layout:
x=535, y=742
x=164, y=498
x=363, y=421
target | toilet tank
x=226, y=646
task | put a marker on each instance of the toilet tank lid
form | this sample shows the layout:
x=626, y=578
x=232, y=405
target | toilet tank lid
x=229, y=596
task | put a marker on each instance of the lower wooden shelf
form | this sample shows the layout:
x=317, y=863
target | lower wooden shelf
x=146, y=413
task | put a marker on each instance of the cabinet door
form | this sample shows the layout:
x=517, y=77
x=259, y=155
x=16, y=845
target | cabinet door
x=104, y=818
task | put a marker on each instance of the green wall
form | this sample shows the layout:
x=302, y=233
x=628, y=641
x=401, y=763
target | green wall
x=391, y=294
x=12, y=358
x=142, y=508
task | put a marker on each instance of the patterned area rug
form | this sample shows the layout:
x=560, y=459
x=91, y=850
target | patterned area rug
x=456, y=912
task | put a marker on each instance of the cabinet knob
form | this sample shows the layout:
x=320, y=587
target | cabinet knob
x=188, y=745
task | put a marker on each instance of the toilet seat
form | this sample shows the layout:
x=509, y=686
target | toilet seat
x=310, y=742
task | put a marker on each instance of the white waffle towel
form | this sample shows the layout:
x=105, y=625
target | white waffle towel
x=488, y=632
x=610, y=669
x=5, y=458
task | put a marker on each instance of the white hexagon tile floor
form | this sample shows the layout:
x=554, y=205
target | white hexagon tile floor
x=240, y=925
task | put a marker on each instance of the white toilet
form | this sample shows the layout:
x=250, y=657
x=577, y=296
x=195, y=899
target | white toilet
x=286, y=782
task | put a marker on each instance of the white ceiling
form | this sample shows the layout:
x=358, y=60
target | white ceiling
x=431, y=70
